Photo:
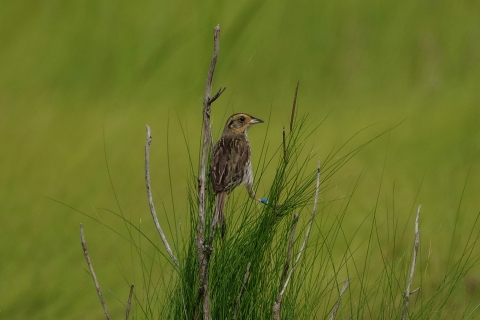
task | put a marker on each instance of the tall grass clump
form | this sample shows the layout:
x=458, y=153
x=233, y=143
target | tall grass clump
x=257, y=240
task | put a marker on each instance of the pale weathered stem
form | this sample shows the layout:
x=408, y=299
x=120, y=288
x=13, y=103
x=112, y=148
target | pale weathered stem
x=242, y=288
x=407, y=294
x=129, y=302
x=150, y=199
x=92, y=272
x=337, y=305
x=203, y=248
x=276, y=308
x=277, y=305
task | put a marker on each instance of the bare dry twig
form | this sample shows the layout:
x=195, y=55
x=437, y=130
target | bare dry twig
x=203, y=248
x=150, y=198
x=129, y=302
x=277, y=304
x=92, y=272
x=217, y=95
x=407, y=293
x=242, y=288
x=337, y=305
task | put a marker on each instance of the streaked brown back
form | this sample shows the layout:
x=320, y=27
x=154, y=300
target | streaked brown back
x=230, y=155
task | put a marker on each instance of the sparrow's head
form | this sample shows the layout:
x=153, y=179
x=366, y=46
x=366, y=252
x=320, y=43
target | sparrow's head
x=240, y=122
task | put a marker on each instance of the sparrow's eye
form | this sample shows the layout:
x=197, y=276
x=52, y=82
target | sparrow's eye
x=242, y=119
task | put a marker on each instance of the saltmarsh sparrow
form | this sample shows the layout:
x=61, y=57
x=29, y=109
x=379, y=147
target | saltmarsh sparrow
x=231, y=164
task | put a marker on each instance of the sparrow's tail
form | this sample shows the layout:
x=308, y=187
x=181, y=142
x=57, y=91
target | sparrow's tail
x=218, y=217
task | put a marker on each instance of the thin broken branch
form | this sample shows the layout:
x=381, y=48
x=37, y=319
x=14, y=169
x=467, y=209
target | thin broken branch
x=242, y=288
x=407, y=294
x=150, y=199
x=203, y=248
x=129, y=302
x=277, y=305
x=337, y=305
x=217, y=95
x=92, y=272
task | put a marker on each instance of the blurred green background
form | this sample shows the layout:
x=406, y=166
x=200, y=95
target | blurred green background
x=80, y=79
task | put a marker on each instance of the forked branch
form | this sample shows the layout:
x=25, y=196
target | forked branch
x=203, y=248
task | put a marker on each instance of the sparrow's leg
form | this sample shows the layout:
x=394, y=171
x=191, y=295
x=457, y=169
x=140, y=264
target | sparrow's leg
x=251, y=193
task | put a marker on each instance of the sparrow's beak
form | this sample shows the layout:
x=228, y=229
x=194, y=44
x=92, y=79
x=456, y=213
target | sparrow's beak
x=255, y=120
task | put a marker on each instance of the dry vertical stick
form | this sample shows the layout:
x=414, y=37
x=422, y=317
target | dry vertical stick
x=407, y=293
x=92, y=272
x=203, y=248
x=150, y=198
x=129, y=302
x=277, y=305
x=337, y=305
x=284, y=146
x=242, y=288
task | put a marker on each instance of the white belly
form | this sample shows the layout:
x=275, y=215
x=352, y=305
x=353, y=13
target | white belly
x=248, y=175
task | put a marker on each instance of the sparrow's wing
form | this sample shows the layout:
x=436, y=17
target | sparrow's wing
x=230, y=155
x=219, y=170
x=241, y=156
